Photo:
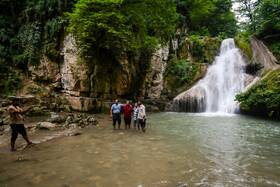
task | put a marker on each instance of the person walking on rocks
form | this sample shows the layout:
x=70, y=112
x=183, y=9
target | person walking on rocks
x=135, y=117
x=115, y=113
x=142, y=116
x=17, y=122
x=128, y=109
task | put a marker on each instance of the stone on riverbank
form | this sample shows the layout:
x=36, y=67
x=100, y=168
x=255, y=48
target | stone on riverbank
x=74, y=132
x=58, y=119
x=46, y=125
x=6, y=120
x=73, y=126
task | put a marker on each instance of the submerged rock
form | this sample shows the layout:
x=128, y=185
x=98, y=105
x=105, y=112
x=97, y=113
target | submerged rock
x=46, y=125
x=74, y=132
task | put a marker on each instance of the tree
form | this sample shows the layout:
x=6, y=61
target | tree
x=208, y=17
x=123, y=24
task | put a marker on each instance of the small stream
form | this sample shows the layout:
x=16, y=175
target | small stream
x=179, y=149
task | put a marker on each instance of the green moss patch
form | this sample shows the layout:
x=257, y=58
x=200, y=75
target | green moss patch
x=244, y=44
x=264, y=97
x=181, y=74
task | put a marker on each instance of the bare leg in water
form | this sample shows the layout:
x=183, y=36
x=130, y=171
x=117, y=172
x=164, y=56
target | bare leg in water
x=14, y=142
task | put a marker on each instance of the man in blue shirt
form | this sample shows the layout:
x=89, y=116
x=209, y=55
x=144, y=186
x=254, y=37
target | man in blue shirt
x=116, y=113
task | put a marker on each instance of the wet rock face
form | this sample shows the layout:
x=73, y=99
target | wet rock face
x=262, y=57
x=46, y=71
x=73, y=73
x=155, y=77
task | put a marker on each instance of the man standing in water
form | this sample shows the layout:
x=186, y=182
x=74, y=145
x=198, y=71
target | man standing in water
x=115, y=113
x=135, y=116
x=17, y=122
x=127, y=114
x=142, y=116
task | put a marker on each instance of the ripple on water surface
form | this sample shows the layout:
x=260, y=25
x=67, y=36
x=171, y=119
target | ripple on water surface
x=178, y=149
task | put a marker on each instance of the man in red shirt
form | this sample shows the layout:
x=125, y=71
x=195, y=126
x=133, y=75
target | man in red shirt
x=128, y=109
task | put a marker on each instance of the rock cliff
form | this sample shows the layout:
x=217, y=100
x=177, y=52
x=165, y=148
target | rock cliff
x=91, y=85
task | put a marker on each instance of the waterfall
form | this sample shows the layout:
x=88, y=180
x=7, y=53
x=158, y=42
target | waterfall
x=216, y=91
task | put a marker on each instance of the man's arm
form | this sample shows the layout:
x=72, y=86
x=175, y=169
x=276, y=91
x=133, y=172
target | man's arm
x=144, y=113
x=23, y=111
x=111, y=113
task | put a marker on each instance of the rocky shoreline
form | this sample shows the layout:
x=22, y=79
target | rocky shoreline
x=41, y=129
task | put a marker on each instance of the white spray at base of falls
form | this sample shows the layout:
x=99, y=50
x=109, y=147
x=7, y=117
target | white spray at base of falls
x=217, y=90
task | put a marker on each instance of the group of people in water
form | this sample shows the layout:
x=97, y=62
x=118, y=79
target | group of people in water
x=139, y=118
x=139, y=115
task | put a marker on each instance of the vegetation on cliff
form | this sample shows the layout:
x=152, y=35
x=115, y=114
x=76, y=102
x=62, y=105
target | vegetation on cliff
x=262, y=21
x=264, y=97
x=123, y=24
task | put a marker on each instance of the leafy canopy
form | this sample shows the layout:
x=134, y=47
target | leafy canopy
x=123, y=24
x=207, y=17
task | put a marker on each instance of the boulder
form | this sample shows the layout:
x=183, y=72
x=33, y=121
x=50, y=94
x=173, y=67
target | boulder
x=74, y=132
x=73, y=126
x=58, y=119
x=83, y=122
x=6, y=120
x=38, y=111
x=1, y=111
x=46, y=125
x=92, y=121
x=69, y=120
x=2, y=128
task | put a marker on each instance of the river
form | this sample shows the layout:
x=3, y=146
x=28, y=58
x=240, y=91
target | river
x=179, y=149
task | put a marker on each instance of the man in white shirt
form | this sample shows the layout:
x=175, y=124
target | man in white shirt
x=142, y=116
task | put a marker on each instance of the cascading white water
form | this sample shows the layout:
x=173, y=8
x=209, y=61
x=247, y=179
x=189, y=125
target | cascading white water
x=224, y=79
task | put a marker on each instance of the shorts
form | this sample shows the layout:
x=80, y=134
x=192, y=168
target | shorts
x=17, y=129
x=142, y=123
x=117, y=117
x=136, y=122
x=127, y=121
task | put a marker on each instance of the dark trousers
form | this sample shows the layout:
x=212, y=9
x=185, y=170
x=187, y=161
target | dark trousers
x=117, y=117
x=17, y=129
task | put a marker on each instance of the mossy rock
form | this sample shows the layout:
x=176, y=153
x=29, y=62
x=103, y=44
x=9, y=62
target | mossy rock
x=264, y=97
x=38, y=111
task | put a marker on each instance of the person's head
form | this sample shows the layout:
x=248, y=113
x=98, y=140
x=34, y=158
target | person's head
x=136, y=105
x=139, y=102
x=127, y=103
x=117, y=101
x=16, y=101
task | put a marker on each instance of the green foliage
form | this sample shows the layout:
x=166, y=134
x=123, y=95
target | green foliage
x=207, y=17
x=243, y=42
x=263, y=17
x=181, y=73
x=41, y=26
x=263, y=96
x=33, y=90
x=197, y=48
x=10, y=46
x=122, y=24
x=10, y=82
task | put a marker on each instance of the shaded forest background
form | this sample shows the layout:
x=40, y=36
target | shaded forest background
x=31, y=28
